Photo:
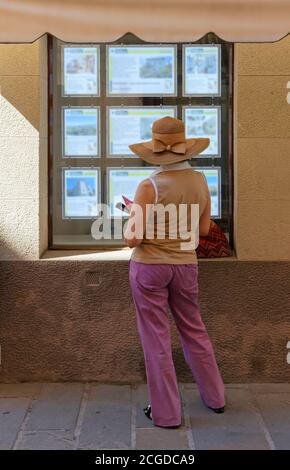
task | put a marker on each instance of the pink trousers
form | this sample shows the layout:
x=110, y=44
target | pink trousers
x=155, y=287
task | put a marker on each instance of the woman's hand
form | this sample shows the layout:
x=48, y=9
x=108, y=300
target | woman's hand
x=129, y=206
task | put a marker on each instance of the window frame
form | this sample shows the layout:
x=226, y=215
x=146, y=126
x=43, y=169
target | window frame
x=103, y=161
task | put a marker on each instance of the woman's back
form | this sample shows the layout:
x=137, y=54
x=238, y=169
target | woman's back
x=177, y=189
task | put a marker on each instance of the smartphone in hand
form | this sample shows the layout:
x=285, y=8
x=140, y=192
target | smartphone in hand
x=122, y=207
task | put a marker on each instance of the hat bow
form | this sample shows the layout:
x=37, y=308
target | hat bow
x=177, y=147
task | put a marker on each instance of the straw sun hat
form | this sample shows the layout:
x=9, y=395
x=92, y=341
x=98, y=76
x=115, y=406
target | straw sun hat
x=168, y=144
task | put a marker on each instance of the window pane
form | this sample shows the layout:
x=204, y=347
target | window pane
x=80, y=192
x=106, y=97
x=127, y=125
x=80, y=71
x=201, y=70
x=81, y=132
x=204, y=122
x=141, y=70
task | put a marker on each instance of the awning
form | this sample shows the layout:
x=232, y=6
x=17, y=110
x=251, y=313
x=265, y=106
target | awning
x=151, y=20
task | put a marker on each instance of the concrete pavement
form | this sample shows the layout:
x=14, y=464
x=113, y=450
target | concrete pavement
x=105, y=416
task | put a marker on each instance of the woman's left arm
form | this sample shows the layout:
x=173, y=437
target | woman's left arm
x=144, y=198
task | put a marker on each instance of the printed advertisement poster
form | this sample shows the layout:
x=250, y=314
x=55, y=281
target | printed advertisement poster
x=129, y=125
x=124, y=182
x=81, y=188
x=204, y=122
x=142, y=70
x=212, y=177
x=80, y=71
x=81, y=130
x=201, y=70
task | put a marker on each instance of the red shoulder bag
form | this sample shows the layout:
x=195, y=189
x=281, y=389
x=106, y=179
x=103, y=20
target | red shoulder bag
x=214, y=245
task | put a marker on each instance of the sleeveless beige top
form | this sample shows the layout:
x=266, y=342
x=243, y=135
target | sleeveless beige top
x=174, y=184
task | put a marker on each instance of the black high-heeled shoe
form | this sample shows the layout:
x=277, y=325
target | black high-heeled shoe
x=147, y=411
x=217, y=410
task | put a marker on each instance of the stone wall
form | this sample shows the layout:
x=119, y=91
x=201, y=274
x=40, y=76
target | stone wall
x=23, y=150
x=261, y=151
x=53, y=326
x=56, y=326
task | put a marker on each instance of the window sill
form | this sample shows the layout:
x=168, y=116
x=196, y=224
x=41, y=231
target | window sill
x=120, y=254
